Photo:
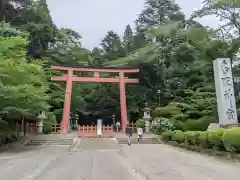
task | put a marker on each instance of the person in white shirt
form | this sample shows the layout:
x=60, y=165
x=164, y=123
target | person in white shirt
x=139, y=133
x=118, y=125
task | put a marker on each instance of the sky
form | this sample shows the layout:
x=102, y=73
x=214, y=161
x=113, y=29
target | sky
x=93, y=18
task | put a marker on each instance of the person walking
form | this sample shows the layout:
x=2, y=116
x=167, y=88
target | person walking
x=128, y=132
x=118, y=125
x=139, y=133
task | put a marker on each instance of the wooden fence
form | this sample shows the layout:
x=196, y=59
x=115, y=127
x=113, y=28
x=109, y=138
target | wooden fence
x=91, y=131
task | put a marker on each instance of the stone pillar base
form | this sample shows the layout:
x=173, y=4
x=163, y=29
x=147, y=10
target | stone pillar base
x=226, y=126
x=147, y=126
x=40, y=129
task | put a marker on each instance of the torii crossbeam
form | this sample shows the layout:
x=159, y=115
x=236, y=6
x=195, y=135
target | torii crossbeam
x=70, y=78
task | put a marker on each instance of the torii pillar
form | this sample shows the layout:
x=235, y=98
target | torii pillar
x=123, y=103
x=67, y=102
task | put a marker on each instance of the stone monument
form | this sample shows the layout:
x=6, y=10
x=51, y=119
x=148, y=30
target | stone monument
x=226, y=104
x=99, y=127
x=147, y=116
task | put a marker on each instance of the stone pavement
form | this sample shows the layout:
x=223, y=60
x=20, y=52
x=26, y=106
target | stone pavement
x=163, y=162
x=91, y=159
x=100, y=159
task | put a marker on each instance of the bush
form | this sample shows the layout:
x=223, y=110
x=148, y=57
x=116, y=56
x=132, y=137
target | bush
x=231, y=140
x=51, y=117
x=178, y=136
x=167, y=135
x=47, y=127
x=140, y=122
x=192, y=137
x=167, y=111
x=200, y=124
x=14, y=135
x=193, y=114
x=6, y=135
x=180, y=117
x=4, y=132
x=178, y=125
x=215, y=138
x=4, y=127
x=227, y=139
x=162, y=124
x=203, y=139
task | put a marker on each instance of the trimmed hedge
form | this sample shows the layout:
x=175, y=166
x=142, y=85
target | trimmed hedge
x=203, y=139
x=215, y=138
x=231, y=140
x=219, y=139
x=140, y=122
x=178, y=136
x=167, y=135
x=47, y=127
x=7, y=135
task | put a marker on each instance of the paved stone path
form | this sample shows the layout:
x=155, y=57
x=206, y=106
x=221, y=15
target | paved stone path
x=95, y=159
x=162, y=162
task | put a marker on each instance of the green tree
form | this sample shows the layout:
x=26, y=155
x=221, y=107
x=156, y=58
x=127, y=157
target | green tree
x=226, y=12
x=157, y=13
x=97, y=58
x=128, y=39
x=23, y=85
x=9, y=9
x=112, y=46
x=36, y=20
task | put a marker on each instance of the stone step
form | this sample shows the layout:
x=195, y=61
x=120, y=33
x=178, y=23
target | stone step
x=61, y=142
x=50, y=142
x=134, y=141
x=36, y=142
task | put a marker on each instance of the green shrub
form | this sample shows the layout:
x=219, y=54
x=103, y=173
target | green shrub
x=51, y=117
x=4, y=127
x=219, y=138
x=167, y=111
x=167, y=135
x=178, y=136
x=14, y=135
x=6, y=135
x=200, y=124
x=47, y=127
x=191, y=137
x=178, y=125
x=162, y=124
x=203, y=139
x=3, y=138
x=180, y=117
x=215, y=138
x=193, y=114
x=140, y=122
x=157, y=112
x=4, y=132
x=231, y=140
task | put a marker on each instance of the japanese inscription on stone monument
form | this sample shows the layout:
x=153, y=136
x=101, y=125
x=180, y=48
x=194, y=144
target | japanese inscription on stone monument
x=225, y=91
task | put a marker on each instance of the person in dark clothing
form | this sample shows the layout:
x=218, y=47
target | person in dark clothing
x=128, y=132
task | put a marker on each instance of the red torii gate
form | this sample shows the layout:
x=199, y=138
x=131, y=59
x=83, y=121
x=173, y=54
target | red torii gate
x=70, y=77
